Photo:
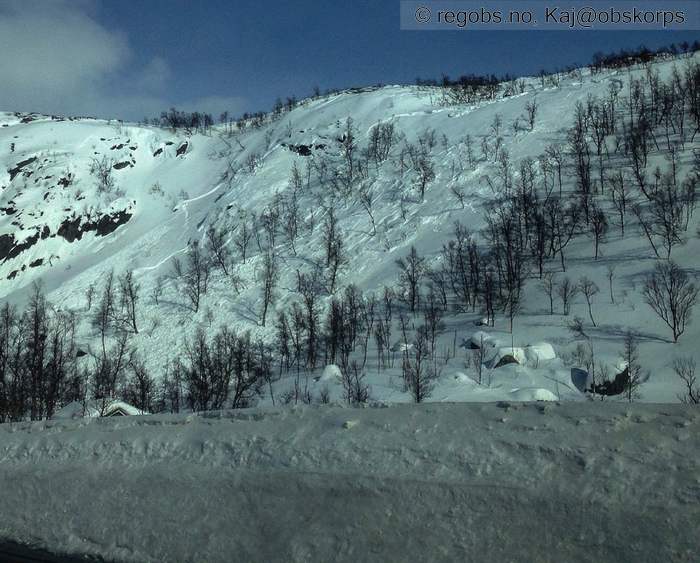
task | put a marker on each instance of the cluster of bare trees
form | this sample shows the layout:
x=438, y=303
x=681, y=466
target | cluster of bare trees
x=608, y=154
x=467, y=89
x=418, y=160
x=533, y=219
x=640, y=55
x=225, y=370
x=191, y=122
x=101, y=171
x=611, y=161
x=306, y=337
x=202, y=122
x=38, y=366
x=114, y=369
x=381, y=139
x=42, y=368
x=194, y=274
x=475, y=88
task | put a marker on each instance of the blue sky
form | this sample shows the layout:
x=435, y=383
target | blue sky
x=130, y=59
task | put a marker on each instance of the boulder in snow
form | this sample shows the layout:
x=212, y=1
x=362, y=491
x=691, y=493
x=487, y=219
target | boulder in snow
x=400, y=346
x=480, y=337
x=540, y=351
x=463, y=378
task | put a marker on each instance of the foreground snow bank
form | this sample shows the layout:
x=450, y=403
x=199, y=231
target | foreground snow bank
x=437, y=482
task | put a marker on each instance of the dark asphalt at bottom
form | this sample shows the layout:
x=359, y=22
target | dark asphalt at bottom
x=12, y=552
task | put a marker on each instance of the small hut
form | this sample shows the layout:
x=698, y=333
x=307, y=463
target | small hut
x=97, y=408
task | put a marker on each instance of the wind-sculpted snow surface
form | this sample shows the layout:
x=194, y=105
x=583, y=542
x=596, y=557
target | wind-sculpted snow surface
x=515, y=482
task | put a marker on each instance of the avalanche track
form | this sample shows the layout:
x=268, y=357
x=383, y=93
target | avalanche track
x=441, y=482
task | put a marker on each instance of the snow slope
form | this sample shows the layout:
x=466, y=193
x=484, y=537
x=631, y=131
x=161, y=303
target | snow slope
x=516, y=482
x=173, y=186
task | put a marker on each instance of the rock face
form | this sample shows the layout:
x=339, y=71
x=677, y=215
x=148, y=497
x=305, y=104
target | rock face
x=301, y=150
x=304, y=150
x=10, y=248
x=19, y=167
x=50, y=197
x=73, y=229
x=6, y=244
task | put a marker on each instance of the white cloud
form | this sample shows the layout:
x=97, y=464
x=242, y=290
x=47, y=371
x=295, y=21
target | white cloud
x=55, y=57
x=50, y=53
x=154, y=76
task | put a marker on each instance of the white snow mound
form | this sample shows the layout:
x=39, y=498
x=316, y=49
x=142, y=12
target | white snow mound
x=332, y=373
x=540, y=351
x=463, y=378
x=488, y=340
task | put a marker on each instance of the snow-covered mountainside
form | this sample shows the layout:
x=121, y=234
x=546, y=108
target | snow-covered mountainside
x=513, y=482
x=82, y=197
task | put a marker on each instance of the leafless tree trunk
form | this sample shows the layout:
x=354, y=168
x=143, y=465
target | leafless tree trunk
x=195, y=275
x=611, y=276
x=566, y=292
x=599, y=226
x=411, y=272
x=549, y=286
x=418, y=373
x=246, y=228
x=531, y=109
x=129, y=294
x=218, y=250
x=589, y=289
x=630, y=356
x=620, y=194
x=356, y=390
x=270, y=275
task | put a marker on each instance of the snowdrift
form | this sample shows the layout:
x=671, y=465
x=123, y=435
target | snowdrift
x=586, y=482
